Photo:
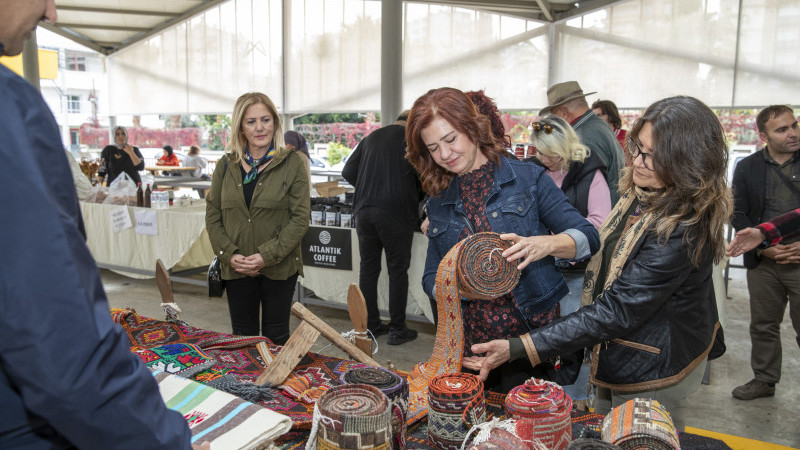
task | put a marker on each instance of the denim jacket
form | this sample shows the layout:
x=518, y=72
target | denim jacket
x=525, y=201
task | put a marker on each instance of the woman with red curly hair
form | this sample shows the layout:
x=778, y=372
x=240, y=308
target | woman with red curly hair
x=473, y=189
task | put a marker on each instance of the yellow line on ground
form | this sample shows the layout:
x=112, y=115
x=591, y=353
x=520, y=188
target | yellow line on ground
x=736, y=442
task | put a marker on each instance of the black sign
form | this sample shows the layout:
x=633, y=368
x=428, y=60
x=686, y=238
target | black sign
x=327, y=247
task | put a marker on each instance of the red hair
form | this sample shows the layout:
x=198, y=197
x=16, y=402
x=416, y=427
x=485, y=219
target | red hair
x=458, y=110
x=488, y=108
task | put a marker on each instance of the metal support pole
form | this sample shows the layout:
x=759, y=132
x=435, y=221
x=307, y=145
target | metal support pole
x=391, y=60
x=30, y=61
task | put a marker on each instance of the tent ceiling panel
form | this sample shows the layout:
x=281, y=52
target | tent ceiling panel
x=111, y=25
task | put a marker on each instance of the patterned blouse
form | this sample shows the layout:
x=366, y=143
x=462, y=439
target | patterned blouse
x=499, y=318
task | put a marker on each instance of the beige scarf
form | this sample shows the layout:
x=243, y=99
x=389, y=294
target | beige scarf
x=627, y=240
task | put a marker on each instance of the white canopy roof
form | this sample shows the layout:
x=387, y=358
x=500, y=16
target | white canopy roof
x=107, y=26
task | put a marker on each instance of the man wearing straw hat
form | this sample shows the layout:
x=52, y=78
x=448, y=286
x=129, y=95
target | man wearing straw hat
x=568, y=101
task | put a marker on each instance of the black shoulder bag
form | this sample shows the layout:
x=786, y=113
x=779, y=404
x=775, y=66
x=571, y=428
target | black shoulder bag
x=216, y=285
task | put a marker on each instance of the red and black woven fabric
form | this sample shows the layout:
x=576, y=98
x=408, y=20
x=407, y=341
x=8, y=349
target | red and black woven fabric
x=455, y=403
x=546, y=403
x=395, y=387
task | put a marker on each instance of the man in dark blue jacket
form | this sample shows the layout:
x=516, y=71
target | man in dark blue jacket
x=67, y=377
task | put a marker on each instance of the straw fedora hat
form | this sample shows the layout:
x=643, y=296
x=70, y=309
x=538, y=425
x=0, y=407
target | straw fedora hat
x=562, y=93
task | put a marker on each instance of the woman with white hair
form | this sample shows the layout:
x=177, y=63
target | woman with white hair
x=580, y=174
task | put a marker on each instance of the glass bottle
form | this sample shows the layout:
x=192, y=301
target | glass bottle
x=147, y=196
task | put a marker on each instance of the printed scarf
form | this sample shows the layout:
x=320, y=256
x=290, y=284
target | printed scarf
x=626, y=241
x=256, y=163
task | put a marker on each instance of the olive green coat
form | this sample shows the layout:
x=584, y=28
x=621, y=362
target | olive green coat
x=273, y=226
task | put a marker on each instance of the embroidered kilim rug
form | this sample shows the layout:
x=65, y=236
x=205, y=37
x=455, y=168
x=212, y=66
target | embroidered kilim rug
x=473, y=269
x=237, y=355
x=224, y=420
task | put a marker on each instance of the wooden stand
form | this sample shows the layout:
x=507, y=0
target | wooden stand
x=303, y=338
x=164, y=283
x=357, y=308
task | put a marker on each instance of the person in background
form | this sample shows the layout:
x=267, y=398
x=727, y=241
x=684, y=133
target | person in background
x=649, y=304
x=257, y=212
x=195, y=160
x=168, y=158
x=385, y=207
x=67, y=376
x=296, y=142
x=567, y=100
x=607, y=110
x=473, y=188
x=579, y=173
x=120, y=157
x=766, y=235
x=765, y=185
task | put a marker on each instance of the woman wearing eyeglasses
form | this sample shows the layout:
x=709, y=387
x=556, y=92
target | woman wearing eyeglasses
x=649, y=306
x=580, y=173
x=473, y=188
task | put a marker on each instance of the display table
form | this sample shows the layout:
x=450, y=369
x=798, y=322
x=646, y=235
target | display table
x=239, y=357
x=331, y=285
x=181, y=242
x=154, y=169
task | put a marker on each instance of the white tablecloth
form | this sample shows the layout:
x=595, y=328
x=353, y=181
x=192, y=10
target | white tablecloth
x=332, y=285
x=182, y=241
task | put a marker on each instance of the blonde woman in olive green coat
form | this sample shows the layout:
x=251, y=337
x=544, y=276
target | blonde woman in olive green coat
x=257, y=212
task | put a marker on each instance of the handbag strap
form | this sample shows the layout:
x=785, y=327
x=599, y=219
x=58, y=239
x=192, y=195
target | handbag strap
x=786, y=181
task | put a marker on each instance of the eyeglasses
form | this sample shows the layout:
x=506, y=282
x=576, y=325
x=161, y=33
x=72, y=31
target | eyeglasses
x=634, y=149
x=538, y=126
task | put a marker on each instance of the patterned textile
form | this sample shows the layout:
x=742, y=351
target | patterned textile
x=238, y=355
x=355, y=416
x=222, y=419
x=547, y=404
x=394, y=387
x=498, y=317
x=583, y=424
x=455, y=404
x=472, y=269
x=640, y=424
x=591, y=444
x=508, y=434
x=185, y=360
x=625, y=243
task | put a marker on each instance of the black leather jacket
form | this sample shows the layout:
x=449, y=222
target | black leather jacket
x=654, y=324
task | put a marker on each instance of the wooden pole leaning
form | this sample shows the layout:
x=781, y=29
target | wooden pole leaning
x=357, y=307
x=300, y=343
